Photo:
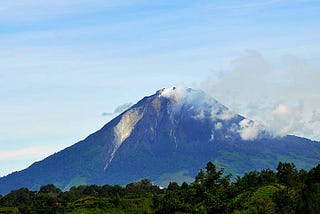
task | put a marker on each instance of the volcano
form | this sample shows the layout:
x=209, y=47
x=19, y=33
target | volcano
x=165, y=137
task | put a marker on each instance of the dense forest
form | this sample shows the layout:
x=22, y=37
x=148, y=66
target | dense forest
x=285, y=190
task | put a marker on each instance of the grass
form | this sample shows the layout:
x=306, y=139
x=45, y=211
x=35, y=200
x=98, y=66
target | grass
x=9, y=210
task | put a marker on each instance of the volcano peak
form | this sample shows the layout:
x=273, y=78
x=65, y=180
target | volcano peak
x=164, y=137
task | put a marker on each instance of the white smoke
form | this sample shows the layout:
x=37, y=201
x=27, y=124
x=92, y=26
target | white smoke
x=178, y=93
x=282, y=111
x=218, y=126
x=280, y=121
x=202, y=104
x=226, y=115
x=283, y=120
x=214, y=113
x=248, y=130
x=234, y=128
x=282, y=94
x=201, y=114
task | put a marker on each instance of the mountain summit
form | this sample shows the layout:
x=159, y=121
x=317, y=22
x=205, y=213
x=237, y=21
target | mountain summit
x=166, y=136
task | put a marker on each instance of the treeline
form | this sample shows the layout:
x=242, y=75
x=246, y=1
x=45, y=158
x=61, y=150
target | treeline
x=285, y=190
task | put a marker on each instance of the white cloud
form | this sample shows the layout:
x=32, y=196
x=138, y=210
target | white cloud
x=315, y=116
x=178, y=93
x=284, y=120
x=180, y=96
x=281, y=92
x=226, y=115
x=234, y=128
x=214, y=113
x=282, y=111
x=200, y=115
x=107, y=114
x=23, y=153
x=248, y=130
x=121, y=108
x=218, y=126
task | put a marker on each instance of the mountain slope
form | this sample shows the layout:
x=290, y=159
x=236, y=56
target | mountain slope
x=166, y=136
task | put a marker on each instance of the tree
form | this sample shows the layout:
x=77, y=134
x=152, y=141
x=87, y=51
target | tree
x=310, y=196
x=250, y=180
x=184, y=186
x=212, y=189
x=21, y=198
x=173, y=186
x=287, y=173
x=50, y=188
x=267, y=176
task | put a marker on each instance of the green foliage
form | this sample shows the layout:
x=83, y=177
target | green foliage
x=21, y=199
x=50, y=189
x=9, y=210
x=266, y=191
x=287, y=173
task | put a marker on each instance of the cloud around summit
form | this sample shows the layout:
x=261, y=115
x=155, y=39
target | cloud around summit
x=281, y=94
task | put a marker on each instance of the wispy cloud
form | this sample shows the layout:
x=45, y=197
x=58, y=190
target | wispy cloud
x=39, y=11
x=23, y=153
x=121, y=108
x=107, y=114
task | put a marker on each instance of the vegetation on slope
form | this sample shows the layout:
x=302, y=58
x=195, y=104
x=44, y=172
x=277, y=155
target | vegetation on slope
x=285, y=190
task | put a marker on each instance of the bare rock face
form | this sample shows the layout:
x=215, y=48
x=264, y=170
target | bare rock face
x=166, y=137
x=122, y=131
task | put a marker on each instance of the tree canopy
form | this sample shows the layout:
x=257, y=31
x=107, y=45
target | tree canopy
x=285, y=190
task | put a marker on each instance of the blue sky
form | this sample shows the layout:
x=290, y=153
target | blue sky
x=65, y=63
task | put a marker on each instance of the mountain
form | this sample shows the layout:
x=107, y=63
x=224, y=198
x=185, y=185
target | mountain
x=166, y=136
